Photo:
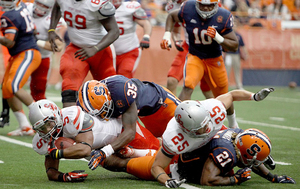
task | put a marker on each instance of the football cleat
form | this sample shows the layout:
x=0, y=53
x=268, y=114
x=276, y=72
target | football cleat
x=25, y=131
x=270, y=163
x=4, y=120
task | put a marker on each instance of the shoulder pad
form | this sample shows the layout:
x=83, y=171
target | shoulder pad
x=107, y=9
x=94, y=5
x=140, y=14
x=88, y=123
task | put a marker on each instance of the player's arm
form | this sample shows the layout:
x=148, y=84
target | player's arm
x=6, y=41
x=211, y=175
x=147, y=27
x=265, y=173
x=52, y=35
x=230, y=42
x=129, y=119
x=111, y=26
x=172, y=18
x=53, y=174
x=160, y=163
x=47, y=45
x=240, y=95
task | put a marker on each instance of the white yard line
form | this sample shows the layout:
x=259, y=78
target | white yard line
x=267, y=125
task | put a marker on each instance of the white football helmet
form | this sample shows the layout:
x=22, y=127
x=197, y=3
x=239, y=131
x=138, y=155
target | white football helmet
x=192, y=116
x=117, y=3
x=44, y=112
x=211, y=7
x=42, y=7
x=8, y=5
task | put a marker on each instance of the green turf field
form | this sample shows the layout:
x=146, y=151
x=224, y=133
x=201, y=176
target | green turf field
x=278, y=116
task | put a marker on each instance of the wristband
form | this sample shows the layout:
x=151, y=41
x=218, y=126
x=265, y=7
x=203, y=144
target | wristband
x=41, y=43
x=159, y=175
x=218, y=38
x=253, y=97
x=61, y=177
x=146, y=36
x=51, y=30
x=167, y=35
x=108, y=150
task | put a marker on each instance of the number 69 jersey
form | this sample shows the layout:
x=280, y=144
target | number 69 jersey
x=175, y=141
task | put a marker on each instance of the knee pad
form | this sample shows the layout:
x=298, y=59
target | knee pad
x=69, y=96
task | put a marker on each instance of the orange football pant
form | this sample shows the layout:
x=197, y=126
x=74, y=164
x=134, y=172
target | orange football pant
x=212, y=70
x=18, y=70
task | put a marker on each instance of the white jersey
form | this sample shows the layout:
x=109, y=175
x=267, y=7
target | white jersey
x=42, y=27
x=104, y=132
x=128, y=39
x=82, y=18
x=175, y=141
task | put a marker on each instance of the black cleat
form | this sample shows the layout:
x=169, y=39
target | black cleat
x=270, y=163
x=4, y=120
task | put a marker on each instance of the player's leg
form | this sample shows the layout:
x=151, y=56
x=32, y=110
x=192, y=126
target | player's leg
x=193, y=73
x=19, y=70
x=38, y=81
x=236, y=61
x=4, y=117
x=102, y=63
x=127, y=63
x=175, y=73
x=73, y=72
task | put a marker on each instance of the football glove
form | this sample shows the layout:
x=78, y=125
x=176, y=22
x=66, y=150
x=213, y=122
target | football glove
x=178, y=45
x=145, y=43
x=173, y=183
x=283, y=179
x=242, y=175
x=74, y=176
x=166, y=42
x=212, y=32
x=54, y=152
x=262, y=94
x=97, y=156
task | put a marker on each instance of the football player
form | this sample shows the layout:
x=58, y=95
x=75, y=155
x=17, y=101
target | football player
x=175, y=73
x=209, y=29
x=40, y=12
x=88, y=132
x=128, y=15
x=132, y=99
x=18, y=36
x=92, y=28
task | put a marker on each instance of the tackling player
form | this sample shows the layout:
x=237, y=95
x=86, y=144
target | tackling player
x=88, y=132
x=128, y=15
x=17, y=28
x=92, y=29
x=132, y=99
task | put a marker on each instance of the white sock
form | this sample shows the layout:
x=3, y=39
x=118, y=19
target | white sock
x=143, y=152
x=232, y=123
x=22, y=119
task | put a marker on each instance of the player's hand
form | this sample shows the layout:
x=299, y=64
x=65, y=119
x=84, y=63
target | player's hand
x=262, y=94
x=145, y=43
x=283, y=179
x=86, y=52
x=242, y=175
x=52, y=36
x=97, y=157
x=166, y=42
x=178, y=45
x=54, y=152
x=211, y=32
x=74, y=176
x=173, y=183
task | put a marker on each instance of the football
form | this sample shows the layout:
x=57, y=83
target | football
x=292, y=84
x=63, y=142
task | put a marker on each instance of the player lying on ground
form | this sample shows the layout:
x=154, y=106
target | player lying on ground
x=88, y=133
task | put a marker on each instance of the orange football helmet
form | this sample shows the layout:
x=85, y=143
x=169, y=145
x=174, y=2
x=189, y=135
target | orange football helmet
x=94, y=98
x=253, y=146
x=207, y=8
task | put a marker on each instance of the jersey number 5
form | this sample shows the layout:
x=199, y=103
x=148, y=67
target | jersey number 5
x=178, y=139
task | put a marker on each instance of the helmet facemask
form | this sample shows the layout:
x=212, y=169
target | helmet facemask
x=212, y=7
x=42, y=126
x=9, y=5
x=42, y=7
